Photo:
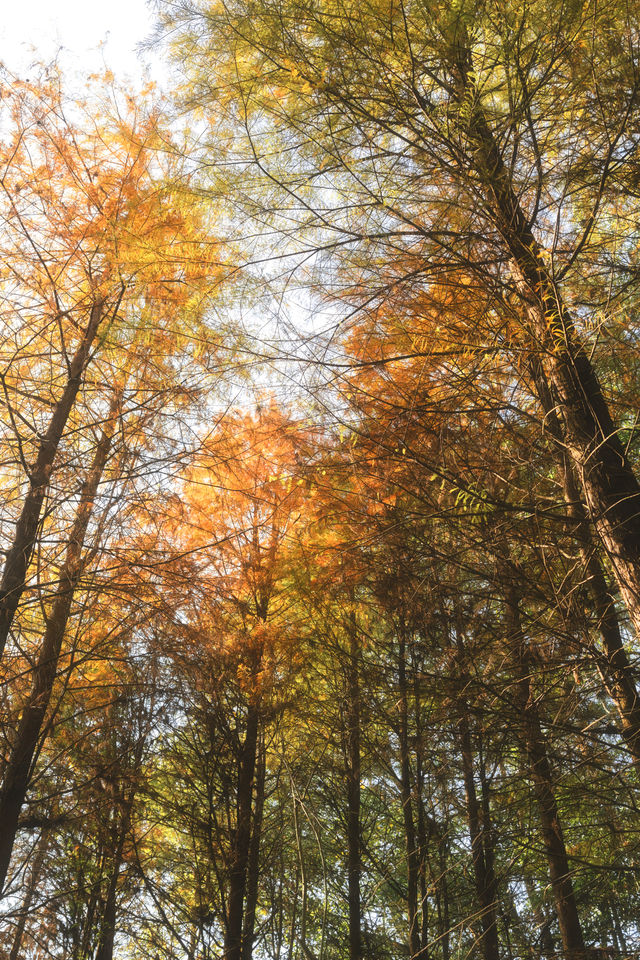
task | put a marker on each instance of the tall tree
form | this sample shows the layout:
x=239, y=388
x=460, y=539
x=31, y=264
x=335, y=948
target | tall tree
x=444, y=132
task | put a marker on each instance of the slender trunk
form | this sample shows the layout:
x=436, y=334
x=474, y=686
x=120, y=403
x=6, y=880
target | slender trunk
x=479, y=834
x=425, y=828
x=488, y=830
x=610, y=487
x=248, y=932
x=352, y=745
x=122, y=805
x=407, y=809
x=518, y=930
x=193, y=943
x=84, y=936
x=617, y=926
x=18, y=769
x=547, y=945
x=301, y=880
x=21, y=550
x=108, y=921
x=34, y=877
x=241, y=836
x=614, y=667
x=444, y=922
x=543, y=787
x=294, y=908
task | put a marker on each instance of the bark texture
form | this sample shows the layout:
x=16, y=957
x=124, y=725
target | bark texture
x=18, y=769
x=541, y=776
x=233, y=947
x=407, y=809
x=618, y=675
x=481, y=845
x=21, y=550
x=352, y=745
x=610, y=488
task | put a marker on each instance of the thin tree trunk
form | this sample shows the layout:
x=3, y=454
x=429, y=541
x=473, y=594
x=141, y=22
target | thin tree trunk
x=21, y=550
x=248, y=932
x=352, y=745
x=83, y=938
x=617, y=926
x=242, y=836
x=444, y=922
x=543, y=788
x=482, y=855
x=544, y=923
x=34, y=877
x=407, y=809
x=18, y=769
x=425, y=828
x=108, y=921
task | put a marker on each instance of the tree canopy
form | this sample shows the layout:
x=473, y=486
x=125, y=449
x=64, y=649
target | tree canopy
x=319, y=452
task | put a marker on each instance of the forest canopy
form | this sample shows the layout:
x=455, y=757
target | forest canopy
x=320, y=472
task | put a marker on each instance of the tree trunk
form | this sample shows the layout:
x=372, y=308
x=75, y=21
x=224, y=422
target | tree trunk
x=426, y=828
x=34, y=877
x=18, y=769
x=248, y=932
x=610, y=487
x=352, y=750
x=547, y=945
x=108, y=920
x=407, y=809
x=481, y=852
x=242, y=835
x=543, y=787
x=617, y=674
x=21, y=550
x=444, y=922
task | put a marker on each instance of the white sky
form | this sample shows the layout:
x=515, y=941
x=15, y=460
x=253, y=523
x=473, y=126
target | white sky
x=77, y=28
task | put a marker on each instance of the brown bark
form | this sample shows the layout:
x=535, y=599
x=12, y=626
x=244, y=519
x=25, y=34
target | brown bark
x=544, y=923
x=352, y=750
x=34, y=877
x=253, y=869
x=21, y=550
x=407, y=811
x=541, y=778
x=301, y=880
x=18, y=769
x=610, y=487
x=427, y=829
x=442, y=902
x=617, y=674
x=241, y=840
x=481, y=851
x=122, y=801
x=109, y=913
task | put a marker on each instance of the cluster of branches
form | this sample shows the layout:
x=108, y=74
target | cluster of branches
x=354, y=675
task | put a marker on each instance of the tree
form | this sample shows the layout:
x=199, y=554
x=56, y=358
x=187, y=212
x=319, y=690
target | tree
x=88, y=236
x=352, y=671
x=89, y=227
x=233, y=523
x=442, y=134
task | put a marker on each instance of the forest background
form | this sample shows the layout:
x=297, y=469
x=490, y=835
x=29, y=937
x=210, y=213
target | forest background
x=320, y=508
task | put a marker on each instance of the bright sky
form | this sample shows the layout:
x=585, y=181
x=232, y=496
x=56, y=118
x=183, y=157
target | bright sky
x=76, y=28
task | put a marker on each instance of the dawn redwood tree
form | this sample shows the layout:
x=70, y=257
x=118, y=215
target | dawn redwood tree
x=92, y=243
x=292, y=691
x=436, y=437
x=449, y=424
x=225, y=593
x=490, y=137
x=18, y=766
